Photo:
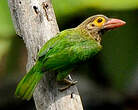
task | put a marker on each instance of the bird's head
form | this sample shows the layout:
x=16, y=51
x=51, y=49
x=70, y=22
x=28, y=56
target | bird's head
x=98, y=24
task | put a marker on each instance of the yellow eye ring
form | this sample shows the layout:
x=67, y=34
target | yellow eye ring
x=99, y=21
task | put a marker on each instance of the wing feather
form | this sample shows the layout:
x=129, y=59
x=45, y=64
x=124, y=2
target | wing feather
x=66, y=49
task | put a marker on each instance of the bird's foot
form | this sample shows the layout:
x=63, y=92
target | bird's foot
x=67, y=81
x=70, y=83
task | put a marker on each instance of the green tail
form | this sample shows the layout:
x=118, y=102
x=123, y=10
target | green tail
x=28, y=84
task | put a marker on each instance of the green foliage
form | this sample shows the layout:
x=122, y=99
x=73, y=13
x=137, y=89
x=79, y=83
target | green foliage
x=68, y=7
x=6, y=27
x=4, y=46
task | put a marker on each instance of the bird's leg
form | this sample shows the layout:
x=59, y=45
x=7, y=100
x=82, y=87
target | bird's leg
x=69, y=83
x=65, y=77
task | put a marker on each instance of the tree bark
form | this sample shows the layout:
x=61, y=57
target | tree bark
x=35, y=22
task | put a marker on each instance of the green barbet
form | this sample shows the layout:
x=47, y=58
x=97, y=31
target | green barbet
x=65, y=50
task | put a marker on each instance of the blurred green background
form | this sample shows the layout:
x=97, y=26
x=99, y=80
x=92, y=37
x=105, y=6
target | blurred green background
x=108, y=81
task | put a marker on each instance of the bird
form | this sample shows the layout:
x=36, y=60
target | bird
x=68, y=48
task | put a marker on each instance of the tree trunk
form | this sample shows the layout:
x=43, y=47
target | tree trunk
x=35, y=22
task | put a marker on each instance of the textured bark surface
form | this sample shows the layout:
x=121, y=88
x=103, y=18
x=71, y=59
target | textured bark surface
x=35, y=22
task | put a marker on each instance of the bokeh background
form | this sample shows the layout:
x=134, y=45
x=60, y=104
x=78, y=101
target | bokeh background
x=109, y=81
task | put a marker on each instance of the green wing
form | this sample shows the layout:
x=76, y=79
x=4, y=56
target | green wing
x=48, y=45
x=52, y=43
x=66, y=49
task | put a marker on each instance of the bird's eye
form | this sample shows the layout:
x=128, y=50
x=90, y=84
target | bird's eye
x=99, y=20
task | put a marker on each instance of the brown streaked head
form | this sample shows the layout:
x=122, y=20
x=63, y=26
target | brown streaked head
x=98, y=24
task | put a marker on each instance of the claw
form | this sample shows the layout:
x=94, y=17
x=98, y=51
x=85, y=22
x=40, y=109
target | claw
x=70, y=83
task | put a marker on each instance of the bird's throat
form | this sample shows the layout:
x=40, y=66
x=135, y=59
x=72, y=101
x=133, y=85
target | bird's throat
x=95, y=35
